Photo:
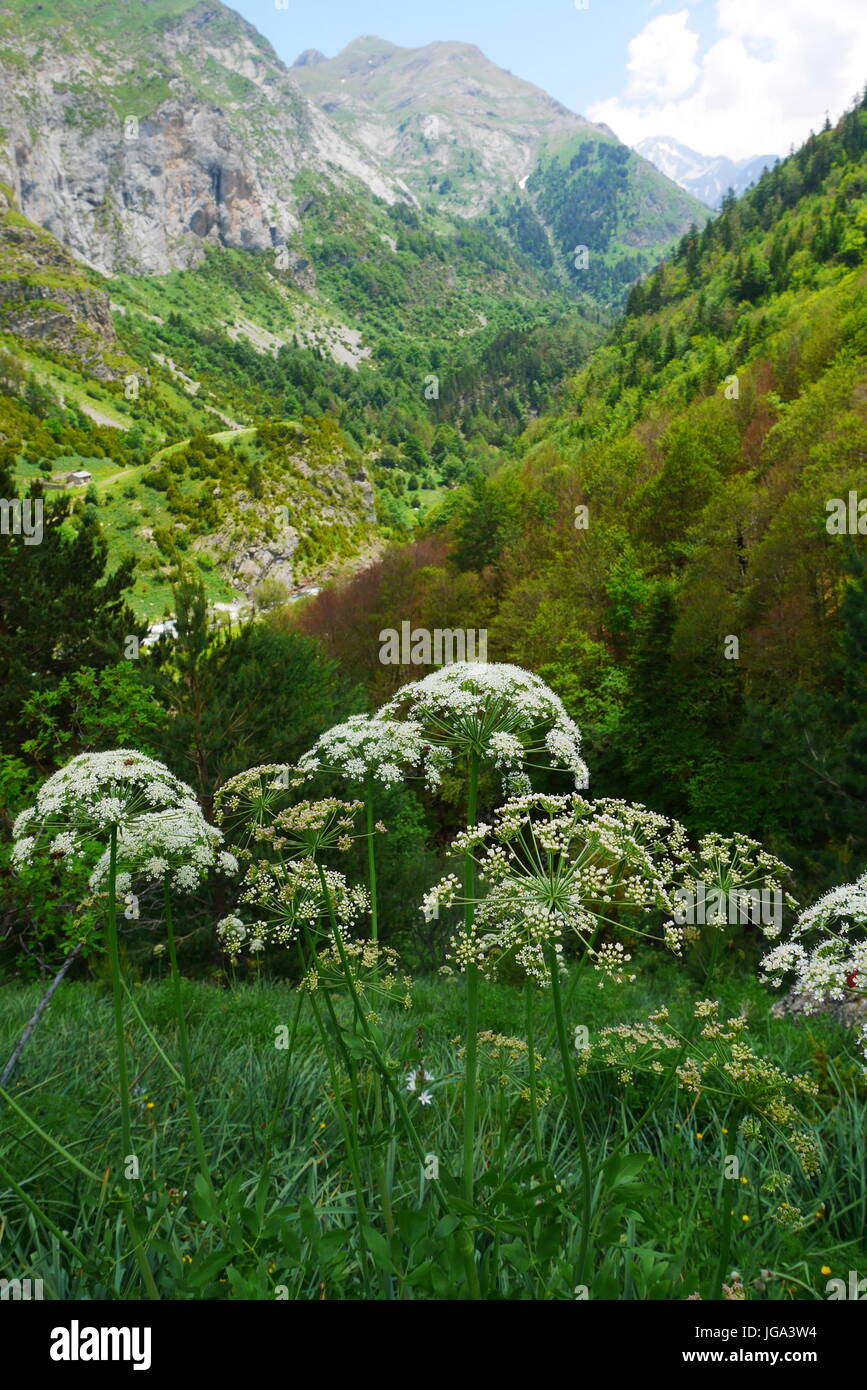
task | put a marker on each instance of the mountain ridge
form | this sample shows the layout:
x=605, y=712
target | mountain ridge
x=707, y=177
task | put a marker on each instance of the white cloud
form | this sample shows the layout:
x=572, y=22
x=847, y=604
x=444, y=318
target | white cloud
x=775, y=69
x=661, y=62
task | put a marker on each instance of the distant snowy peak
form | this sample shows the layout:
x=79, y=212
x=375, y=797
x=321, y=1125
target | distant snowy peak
x=708, y=178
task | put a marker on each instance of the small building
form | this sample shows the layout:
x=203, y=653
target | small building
x=80, y=478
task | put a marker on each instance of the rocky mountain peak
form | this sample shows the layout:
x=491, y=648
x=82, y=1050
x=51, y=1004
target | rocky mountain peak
x=309, y=58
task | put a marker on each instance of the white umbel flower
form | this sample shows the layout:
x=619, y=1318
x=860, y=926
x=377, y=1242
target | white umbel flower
x=500, y=713
x=158, y=821
x=833, y=967
x=367, y=747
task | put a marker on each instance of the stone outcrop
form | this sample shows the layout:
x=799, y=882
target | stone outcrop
x=140, y=149
x=46, y=297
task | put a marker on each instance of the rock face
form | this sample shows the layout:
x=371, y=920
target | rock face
x=46, y=297
x=141, y=142
x=311, y=494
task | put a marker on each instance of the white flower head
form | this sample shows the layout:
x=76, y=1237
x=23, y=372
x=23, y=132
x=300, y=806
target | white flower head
x=367, y=747
x=154, y=817
x=499, y=713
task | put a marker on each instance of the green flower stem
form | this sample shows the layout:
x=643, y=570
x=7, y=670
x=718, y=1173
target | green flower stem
x=184, y=1040
x=574, y=1106
x=471, y=1052
x=138, y=1246
x=371, y=857
x=728, y=1206
x=671, y=1078
x=381, y=1064
x=117, y=994
x=472, y=1027
x=531, y=1061
x=349, y=1133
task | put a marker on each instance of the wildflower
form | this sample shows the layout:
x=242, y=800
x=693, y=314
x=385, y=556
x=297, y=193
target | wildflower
x=373, y=969
x=152, y=817
x=178, y=844
x=733, y=873
x=367, y=748
x=720, y=1060
x=734, y=1291
x=284, y=899
x=552, y=868
x=498, y=713
x=826, y=1269
x=834, y=967
x=96, y=793
x=246, y=805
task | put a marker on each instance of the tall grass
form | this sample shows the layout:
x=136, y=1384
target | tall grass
x=282, y=1220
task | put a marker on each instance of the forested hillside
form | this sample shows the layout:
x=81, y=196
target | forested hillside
x=662, y=550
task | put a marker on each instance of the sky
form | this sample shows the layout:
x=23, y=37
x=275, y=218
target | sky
x=725, y=77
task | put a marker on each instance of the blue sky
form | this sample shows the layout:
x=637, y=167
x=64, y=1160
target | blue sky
x=736, y=77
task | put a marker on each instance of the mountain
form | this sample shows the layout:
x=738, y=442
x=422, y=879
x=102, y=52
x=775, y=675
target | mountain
x=473, y=140
x=202, y=249
x=139, y=139
x=706, y=177
x=140, y=136
x=442, y=118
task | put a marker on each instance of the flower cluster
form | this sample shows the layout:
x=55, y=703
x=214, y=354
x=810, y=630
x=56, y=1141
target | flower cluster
x=260, y=808
x=720, y=1061
x=835, y=967
x=498, y=713
x=92, y=795
x=552, y=866
x=180, y=845
x=367, y=747
x=727, y=870
x=373, y=968
x=246, y=805
x=153, y=816
x=417, y=1083
x=511, y=1061
x=285, y=900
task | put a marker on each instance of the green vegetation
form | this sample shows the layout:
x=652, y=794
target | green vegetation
x=704, y=440
x=303, y=1237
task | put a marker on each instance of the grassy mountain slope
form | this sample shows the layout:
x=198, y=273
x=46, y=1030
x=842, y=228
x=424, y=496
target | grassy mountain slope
x=439, y=115
x=397, y=330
